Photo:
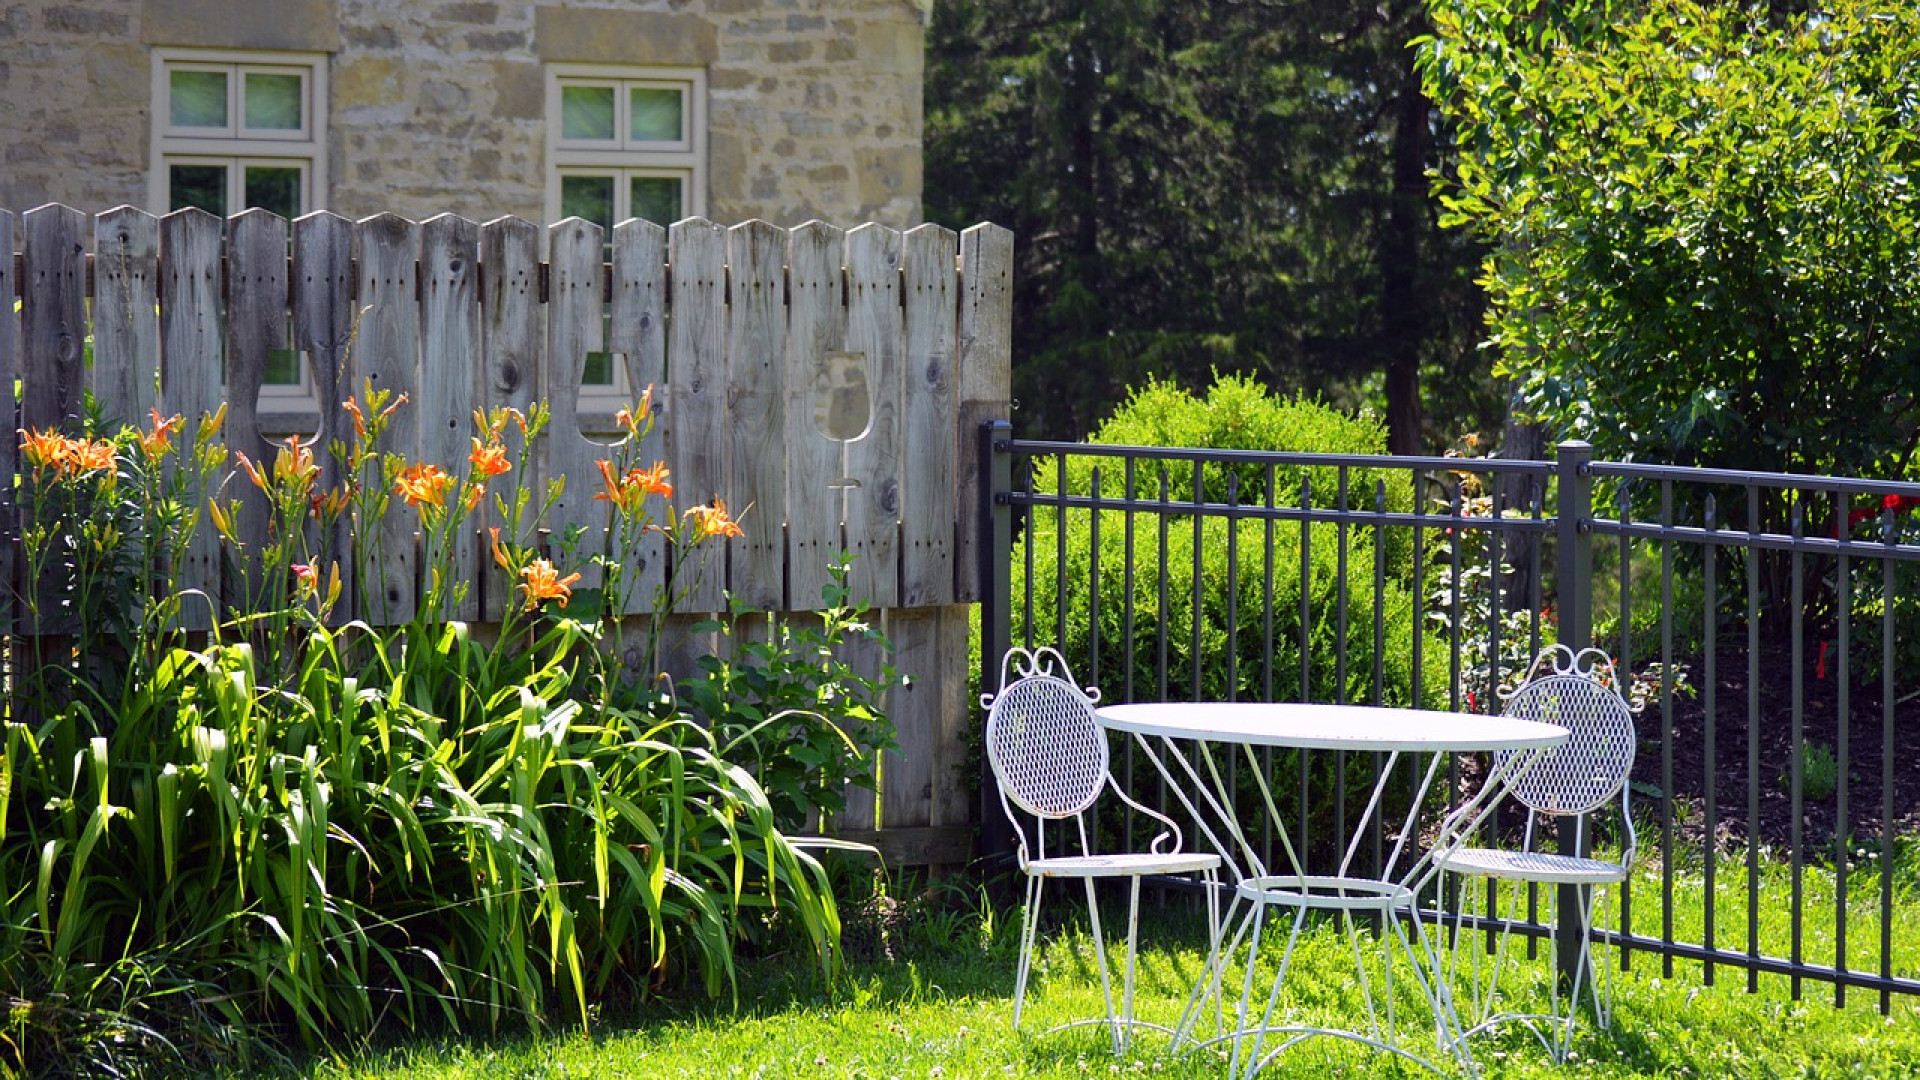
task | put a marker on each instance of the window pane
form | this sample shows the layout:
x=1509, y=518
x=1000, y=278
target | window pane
x=656, y=114
x=598, y=370
x=275, y=188
x=197, y=98
x=657, y=199
x=200, y=186
x=283, y=367
x=586, y=112
x=273, y=101
x=588, y=197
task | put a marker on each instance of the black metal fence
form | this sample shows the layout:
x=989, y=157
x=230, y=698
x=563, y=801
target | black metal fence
x=1770, y=624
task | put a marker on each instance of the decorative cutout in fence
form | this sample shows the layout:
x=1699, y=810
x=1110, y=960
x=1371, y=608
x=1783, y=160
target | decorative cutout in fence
x=748, y=332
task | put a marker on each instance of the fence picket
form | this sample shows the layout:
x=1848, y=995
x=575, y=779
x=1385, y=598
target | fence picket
x=874, y=330
x=190, y=382
x=126, y=322
x=929, y=408
x=323, y=326
x=574, y=330
x=513, y=334
x=636, y=332
x=696, y=254
x=756, y=407
x=53, y=318
x=388, y=349
x=816, y=327
x=256, y=326
x=449, y=372
x=984, y=377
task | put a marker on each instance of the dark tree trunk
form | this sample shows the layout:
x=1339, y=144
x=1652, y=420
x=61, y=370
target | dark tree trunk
x=1403, y=312
x=1519, y=441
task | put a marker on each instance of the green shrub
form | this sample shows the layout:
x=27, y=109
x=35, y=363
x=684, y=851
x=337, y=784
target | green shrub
x=1237, y=413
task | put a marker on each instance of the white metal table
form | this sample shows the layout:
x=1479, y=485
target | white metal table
x=1388, y=891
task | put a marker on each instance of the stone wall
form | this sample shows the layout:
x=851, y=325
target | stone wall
x=814, y=106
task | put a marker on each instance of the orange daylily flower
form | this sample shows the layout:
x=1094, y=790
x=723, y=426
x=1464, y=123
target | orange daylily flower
x=156, y=443
x=499, y=552
x=43, y=449
x=359, y=418
x=653, y=480
x=489, y=459
x=423, y=484
x=88, y=455
x=543, y=582
x=711, y=520
x=253, y=473
x=306, y=578
x=294, y=465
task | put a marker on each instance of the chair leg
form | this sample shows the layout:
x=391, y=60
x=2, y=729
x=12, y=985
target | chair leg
x=1031, y=922
x=1100, y=955
x=1133, y=937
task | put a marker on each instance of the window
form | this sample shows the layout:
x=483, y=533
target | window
x=623, y=143
x=233, y=131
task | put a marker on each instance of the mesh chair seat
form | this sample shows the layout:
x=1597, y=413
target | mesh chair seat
x=1544, y=867
x=1122, y=865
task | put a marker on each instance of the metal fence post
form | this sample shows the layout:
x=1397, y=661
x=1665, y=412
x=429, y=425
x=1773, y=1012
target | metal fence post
x=996, y=606
x=1573, y=595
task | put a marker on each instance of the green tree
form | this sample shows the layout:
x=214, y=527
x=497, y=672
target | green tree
x=1704, y=225
x=1208, y=185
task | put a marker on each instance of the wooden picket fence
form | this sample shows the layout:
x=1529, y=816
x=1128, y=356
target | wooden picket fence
x=747, y=333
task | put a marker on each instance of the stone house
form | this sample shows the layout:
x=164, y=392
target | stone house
x=734, y=109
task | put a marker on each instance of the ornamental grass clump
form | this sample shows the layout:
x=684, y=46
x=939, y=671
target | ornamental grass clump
x=223, y=828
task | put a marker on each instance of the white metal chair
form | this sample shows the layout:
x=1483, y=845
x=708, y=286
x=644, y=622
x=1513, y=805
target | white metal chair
x=1568, y=782
x=1050, y=756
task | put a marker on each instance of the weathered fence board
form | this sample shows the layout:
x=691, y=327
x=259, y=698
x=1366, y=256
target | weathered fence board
x=9, y=448
x=816, y=328
x=929, y=408
x=190, y=375
x=323, y=325
x=874, y=330
x=126, y=318
x=449, y=366
x=756, y=411
x=820, y=382
x=697, y=253
x=513, y=336
x=573, y=331
x=387, y=352
x=637, y=334
x=986, y=378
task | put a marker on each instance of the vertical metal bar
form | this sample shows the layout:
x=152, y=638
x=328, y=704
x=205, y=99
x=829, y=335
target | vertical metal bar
x=1340, y=648
x=1574, y=573
x=1842, y=818
x=1419, y=593
x=1306, y=653
x=1666, y=729
x=1198, y=595
x=1889, y=533
x=1093, y=583
x=1060, y=553
x=1456, y=676
x=995, y=463
x=1496, y=600
x=1796, y=779
x=1129, y=492
x=1268, y=501
x=1164, y=619
x=1752, y=555
x=1624, y=506
x=1233, y=586
x=1026, y=547
x=1710, y=620
x=1379, y=652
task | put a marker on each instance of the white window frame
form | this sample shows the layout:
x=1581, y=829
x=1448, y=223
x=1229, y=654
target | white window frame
x=622, y=159
x=235, y=145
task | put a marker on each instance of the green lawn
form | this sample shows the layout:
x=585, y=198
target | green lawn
x=943, y=1009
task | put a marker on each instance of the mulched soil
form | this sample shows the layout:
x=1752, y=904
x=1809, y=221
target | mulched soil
x=1729, y=771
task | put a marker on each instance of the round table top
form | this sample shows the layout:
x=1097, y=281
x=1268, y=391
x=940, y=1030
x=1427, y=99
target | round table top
x=1329, y=727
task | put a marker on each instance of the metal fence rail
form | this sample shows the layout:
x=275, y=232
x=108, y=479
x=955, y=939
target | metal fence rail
x=1176, y=574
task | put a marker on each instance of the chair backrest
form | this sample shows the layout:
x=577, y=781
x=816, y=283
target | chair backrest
x=1045, y=747
x=1592, y=766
